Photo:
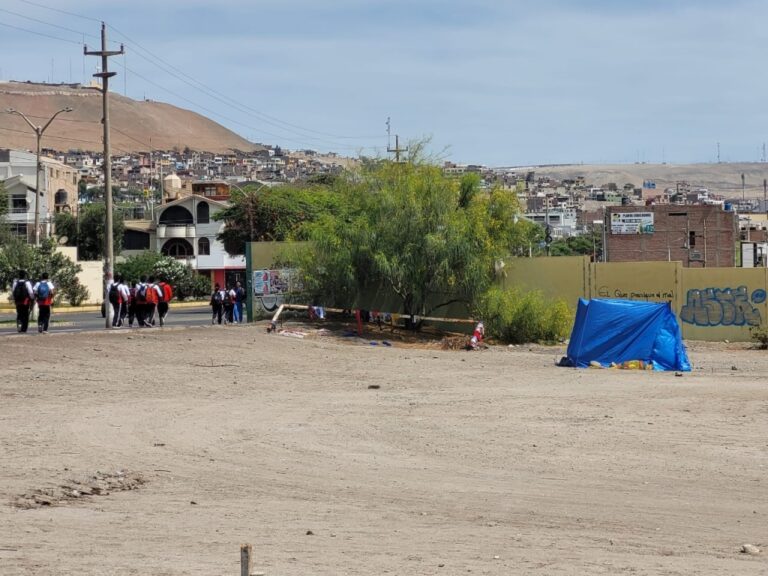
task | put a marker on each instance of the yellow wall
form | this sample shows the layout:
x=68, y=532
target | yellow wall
x=711, y=303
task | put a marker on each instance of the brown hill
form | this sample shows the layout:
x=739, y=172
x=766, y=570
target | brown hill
x=719, y=178
x=136, y=125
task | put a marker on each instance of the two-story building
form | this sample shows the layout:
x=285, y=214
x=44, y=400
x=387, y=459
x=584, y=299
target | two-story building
x=58, y=190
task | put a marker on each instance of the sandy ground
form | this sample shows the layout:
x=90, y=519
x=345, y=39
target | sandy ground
x=491, y=462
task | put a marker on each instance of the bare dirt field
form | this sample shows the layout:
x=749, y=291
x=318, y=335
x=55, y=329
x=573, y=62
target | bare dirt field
x=159, y=453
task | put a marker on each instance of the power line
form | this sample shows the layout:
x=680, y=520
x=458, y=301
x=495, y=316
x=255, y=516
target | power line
x=223, y=97
x=79, y=32
x=40, y=33
x=60, y=11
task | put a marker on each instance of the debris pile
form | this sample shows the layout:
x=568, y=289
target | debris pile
x=98, y=484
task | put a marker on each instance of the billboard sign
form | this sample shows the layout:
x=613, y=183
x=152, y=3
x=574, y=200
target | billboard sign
x=632, y=223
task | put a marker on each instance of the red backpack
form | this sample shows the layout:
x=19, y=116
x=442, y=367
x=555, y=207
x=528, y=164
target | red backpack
x=167, y=291
x=151, y=294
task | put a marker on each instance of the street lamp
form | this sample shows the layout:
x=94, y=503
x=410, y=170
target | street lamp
x=39, y=131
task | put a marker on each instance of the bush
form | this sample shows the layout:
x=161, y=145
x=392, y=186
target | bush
x=514, y=317
x=760, y=335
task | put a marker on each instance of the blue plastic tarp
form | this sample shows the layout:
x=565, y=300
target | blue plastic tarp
x=615, y=331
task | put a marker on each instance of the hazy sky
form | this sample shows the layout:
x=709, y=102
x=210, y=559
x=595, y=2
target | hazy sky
x=490, y=81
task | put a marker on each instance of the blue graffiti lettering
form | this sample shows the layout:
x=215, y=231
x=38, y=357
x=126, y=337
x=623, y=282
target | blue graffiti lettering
x=726, y=307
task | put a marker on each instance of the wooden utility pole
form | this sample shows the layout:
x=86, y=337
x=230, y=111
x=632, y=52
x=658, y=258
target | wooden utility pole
x=397, y=149
x=109, y=249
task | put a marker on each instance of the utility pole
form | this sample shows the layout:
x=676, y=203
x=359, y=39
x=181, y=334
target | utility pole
x=105, y=75
x=397, y=149
x=743, y=195
x=39, y=130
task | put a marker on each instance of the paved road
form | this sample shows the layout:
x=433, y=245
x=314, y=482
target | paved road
x=82, y=321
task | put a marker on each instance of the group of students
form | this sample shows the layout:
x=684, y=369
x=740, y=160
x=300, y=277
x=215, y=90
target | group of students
x=227, y=304
x=26, y=295
x=140, y=302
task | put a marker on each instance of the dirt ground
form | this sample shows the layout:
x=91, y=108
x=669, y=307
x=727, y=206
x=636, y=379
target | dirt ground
x=159, y=453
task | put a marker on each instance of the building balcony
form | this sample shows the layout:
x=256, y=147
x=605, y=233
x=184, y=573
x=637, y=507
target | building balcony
x=176, y=231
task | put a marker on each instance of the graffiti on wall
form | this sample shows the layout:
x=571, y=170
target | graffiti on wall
x=723, y=307
x=660, y=295
x=271, y=286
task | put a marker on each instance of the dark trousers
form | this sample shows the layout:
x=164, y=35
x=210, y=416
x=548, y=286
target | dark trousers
x=162, y=311
x=22, y=317
x=141, y=313
x=131, y=313
x=149, y=312
x=217, y=310
x=117, y=314
x=43, y=317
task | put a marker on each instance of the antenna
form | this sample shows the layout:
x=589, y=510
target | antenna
x=389, y=138
x=718, y=152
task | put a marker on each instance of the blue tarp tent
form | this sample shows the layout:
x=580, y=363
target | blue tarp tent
x=615, y=331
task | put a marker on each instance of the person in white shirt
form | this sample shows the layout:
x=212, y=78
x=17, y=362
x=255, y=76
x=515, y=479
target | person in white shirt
x=44, y=291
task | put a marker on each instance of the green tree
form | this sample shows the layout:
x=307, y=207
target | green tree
x=430, y=239
x=586, y=244
x=90, y=239
x=18, y=255
x=66, y=227
x=272, y=214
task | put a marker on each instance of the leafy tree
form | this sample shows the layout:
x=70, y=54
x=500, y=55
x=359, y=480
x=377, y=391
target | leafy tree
x=430, y=239
x=18, y=255
x=66, y=227
x=90, y=239
x=272, y=214
x=586, y=244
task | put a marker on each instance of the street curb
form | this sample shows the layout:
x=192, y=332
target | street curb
x=8, y=309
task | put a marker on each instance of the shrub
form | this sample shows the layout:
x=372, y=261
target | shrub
x=516, y=318
x=760, y=335
x=186, y=282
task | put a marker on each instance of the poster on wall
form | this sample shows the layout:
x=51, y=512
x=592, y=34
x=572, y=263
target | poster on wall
x=632, y=223
x=270, y=287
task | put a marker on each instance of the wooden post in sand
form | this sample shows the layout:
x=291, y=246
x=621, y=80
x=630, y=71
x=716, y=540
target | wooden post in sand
x=246, y=559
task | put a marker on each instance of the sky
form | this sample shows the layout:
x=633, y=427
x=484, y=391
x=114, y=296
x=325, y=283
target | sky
x=493, y=82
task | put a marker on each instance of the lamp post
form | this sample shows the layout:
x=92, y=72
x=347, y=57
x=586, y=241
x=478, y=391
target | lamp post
x=39, y=131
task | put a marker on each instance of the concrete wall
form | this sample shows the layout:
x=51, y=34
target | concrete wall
x=711, y=303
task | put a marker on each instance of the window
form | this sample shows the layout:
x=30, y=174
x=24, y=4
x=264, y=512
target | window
x=176, y=215
x=178, y=248
x=203, y=247
x=18, y=204
x=691, y=239
x=203, y=213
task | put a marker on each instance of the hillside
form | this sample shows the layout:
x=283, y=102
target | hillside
x=722, y=178
x=134, y=123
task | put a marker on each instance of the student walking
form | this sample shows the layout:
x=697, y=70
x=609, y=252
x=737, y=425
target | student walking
x=164, y=304
x=153, y=295
x=23, y=297
x=229, y=304
x=141, y=302
x=239, y=300
x=217, y=304
x=131, y=304
x=44, y=292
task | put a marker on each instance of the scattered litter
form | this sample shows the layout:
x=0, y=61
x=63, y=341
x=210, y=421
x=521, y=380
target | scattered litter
x=373, y=386
x=734, y=368
x=679, y=374
x=310, y=533
x=750, y=549
x=292, y=333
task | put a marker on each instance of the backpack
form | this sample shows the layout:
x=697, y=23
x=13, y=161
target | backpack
x=151, y=294
x=217, y=297
x=20, y=293
x=167, y=291
x=43, y=291
x=141, y=293
x=113, y=293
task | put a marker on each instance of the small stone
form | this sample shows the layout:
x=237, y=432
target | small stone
x=310, y=533
x=374, y=386
x=679, y=374
x=750, y=549
x=193, y=502
x=441, y=565
x=734, y=368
